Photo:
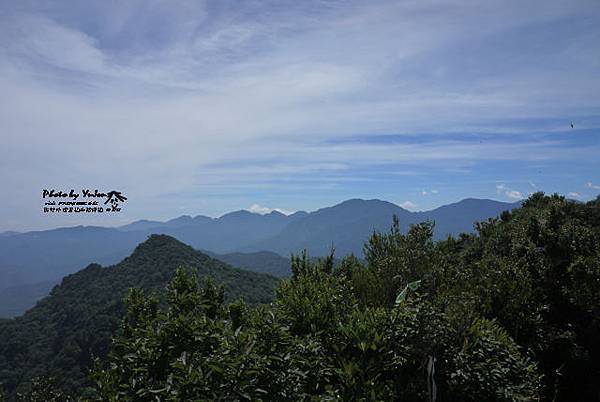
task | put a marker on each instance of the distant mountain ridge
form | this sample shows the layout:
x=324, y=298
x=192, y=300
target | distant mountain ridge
x=283, y=234
x=347, y=225
x=42, y=256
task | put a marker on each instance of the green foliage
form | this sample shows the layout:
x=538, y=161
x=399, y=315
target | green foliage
x=62, y=335
x=490, y=367
x=44, y=389
x=314, y=299
x=509, y=314
x=315, y=342
x=538, y=277
x=398, y=259
x=195, y=348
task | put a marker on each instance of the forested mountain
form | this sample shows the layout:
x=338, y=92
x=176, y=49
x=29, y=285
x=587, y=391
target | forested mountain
x=511, y=313
x=61, y=334
x=16, y=300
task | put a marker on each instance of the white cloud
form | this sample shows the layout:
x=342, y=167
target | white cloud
x=591, y=185
x=574, y=195
x=408, y=205
x=513, y=194
x=508, y=192
x=257, y=209
x=434, y=191
x=424, y=192
x=256, y=86
x=532, y=184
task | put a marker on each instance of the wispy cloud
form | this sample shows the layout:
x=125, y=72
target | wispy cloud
x=593, y=186
x=206, y=98
x=575, y=195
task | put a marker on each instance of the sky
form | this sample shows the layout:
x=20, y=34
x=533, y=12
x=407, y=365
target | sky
x=195, y=107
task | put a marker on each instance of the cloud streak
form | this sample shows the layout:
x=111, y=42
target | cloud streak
x=263, y=101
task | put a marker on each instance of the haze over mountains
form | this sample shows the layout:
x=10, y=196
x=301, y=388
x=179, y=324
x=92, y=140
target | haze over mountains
x=41, y=258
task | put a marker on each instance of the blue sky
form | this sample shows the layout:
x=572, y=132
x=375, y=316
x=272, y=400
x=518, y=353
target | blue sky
x=207, y=107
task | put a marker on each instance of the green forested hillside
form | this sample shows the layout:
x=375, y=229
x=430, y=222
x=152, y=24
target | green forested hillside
x=61, y=334
x=511, y=313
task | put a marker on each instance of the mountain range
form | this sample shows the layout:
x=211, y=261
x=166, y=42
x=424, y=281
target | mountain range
x=31, y=262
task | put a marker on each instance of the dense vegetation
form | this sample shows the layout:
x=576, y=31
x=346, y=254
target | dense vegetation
x=511, y=313
x=60, y=336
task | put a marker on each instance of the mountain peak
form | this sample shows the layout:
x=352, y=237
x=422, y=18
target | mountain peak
x=181, y=219
x=203, y=218
x=142, y=221
x=359, y=203
x=298, y=214
x=275, y=213
x=140, y=224
x=479, y=203
x=237, y=214
x=158, y=244
x=159, y=240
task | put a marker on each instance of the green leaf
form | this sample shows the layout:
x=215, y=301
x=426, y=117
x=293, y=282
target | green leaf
x=412, y=286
